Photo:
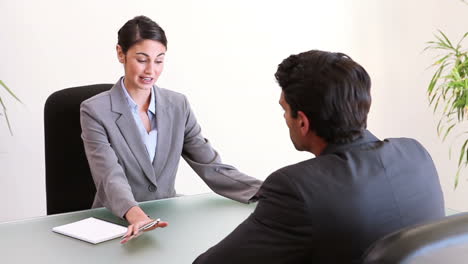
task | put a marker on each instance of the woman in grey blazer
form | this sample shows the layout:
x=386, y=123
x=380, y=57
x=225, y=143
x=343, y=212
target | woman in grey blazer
x=135, y=133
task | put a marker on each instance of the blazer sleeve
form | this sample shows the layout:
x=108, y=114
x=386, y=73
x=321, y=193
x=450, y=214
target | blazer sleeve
x=223, y=179
x=276, y=232
x=112, y=188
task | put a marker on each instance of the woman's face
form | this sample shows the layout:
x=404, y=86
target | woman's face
x=143, y=64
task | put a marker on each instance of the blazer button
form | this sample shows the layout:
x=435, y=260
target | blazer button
x=152, y=188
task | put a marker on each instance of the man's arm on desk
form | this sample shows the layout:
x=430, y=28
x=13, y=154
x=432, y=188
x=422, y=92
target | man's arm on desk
x=273, y=233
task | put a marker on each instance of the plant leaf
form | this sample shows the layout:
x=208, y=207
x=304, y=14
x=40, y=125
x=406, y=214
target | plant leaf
x=446, y=42
x=457, y=177
x=448, y=131
x=462, y=153
x=9, y=91
x=6, y=116
x=462, y=38
x=435, y=78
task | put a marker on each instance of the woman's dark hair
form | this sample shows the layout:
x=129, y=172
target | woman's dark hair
x=331, y=89
x=138, y=29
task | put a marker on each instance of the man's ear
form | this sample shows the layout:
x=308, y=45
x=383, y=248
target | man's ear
x=120, y=54
x=303, y=123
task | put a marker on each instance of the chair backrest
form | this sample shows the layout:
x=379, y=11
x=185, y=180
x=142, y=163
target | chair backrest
x=69, y=184
x=442, y=241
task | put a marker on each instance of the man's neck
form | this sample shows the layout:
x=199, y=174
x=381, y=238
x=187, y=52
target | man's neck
x=318, y=148
x=317, y=144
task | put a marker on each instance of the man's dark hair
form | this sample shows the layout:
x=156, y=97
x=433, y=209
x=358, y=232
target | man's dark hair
x=331, y=89
x=139, y=29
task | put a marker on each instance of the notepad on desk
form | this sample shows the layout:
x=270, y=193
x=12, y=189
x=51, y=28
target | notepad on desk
x=91, y=230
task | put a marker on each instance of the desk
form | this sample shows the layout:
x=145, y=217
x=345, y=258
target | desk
x=195, y=223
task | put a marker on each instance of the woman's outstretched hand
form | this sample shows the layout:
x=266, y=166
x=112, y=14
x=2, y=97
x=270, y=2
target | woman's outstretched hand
x=138, y=220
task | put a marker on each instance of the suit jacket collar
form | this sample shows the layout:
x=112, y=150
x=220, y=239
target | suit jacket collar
x=367, y=137
x=119, y=103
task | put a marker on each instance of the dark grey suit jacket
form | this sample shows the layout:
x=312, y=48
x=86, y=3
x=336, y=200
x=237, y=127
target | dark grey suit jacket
x=122, y=171
x=331, y=208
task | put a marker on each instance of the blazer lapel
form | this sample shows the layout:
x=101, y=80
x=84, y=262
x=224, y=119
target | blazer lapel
x=163, y=123
x=128, y=128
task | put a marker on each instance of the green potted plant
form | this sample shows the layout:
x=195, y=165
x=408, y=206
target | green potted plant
x=448, y=93
x=4, y=110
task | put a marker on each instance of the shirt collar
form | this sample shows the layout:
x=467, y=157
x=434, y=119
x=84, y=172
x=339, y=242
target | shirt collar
x=132, y=104
x=152, y=105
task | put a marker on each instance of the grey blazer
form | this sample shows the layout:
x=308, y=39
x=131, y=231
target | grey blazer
x=121, y=168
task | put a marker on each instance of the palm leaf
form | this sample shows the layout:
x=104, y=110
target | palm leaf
x=460, y=167
x=6, y=116
x=9, y=91
x=440, y=127
x=437, y=103
x=435, y=78
x=446, y=42
x=442, y=59
x=432, y=98
x=4, y=107
x=457, y=177
x=448, y=131
x=462, y=152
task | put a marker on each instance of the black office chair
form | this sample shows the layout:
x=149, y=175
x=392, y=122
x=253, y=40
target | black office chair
x=443, y=241
x=69, y=184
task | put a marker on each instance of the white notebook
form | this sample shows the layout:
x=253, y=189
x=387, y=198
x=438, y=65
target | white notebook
x=91, y=230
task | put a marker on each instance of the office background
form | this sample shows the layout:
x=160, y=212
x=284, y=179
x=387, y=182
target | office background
x=222, y=55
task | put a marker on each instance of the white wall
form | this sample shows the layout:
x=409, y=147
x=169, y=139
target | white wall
x=222, y=55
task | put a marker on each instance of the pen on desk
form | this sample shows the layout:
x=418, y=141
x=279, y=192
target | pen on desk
x=149, y=225
x=141, y=229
